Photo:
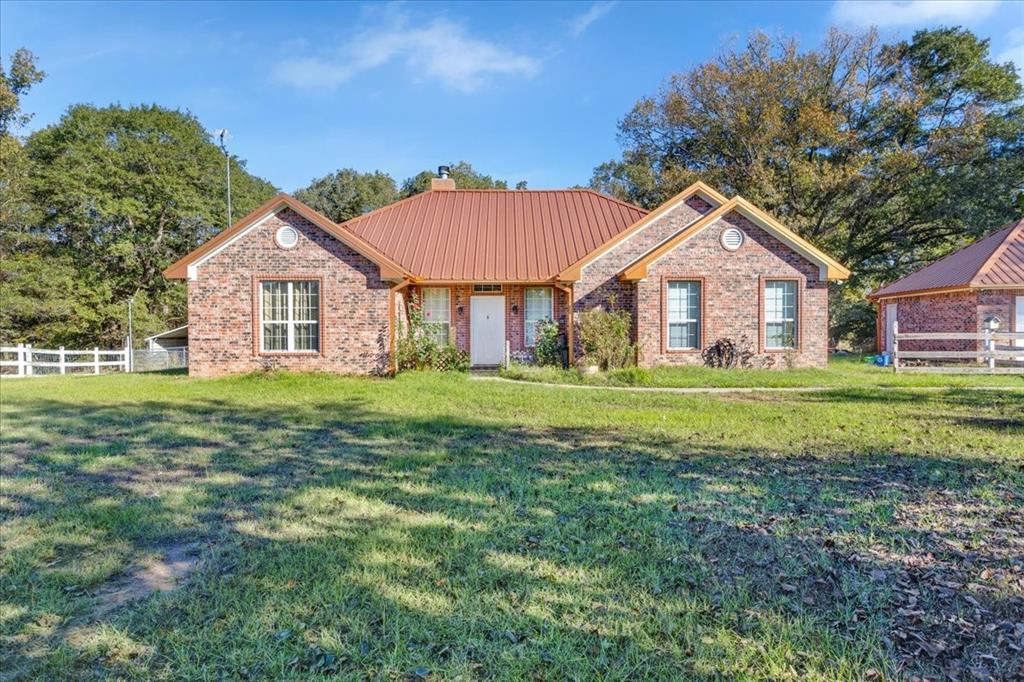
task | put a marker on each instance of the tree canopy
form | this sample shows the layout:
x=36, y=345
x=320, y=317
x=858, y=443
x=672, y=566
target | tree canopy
x=463, y=173
x=347, y=193
x=884, y=155
x=118, y=194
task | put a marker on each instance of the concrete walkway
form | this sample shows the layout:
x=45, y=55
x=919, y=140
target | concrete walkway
x=742, y=389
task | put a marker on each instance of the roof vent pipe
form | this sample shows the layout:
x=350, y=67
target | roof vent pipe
x=443, y=171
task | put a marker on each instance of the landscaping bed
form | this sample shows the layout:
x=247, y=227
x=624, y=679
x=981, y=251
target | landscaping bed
x=433, y=527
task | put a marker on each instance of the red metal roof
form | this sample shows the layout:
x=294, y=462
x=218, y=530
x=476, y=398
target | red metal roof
x=494, y=235
x=997, y=260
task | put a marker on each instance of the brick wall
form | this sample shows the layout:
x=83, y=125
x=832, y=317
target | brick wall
x=222, y=303
x=963, y=311
x=599, y=281
x=732, y=295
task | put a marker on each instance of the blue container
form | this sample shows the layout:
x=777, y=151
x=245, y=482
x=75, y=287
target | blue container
x=883, y=360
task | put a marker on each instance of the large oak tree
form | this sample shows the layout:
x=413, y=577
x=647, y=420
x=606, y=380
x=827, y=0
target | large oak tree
x=886, y=156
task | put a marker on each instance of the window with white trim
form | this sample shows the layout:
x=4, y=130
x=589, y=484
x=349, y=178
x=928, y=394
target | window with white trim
x=780, y=310
x=683, y=315
x=539, y=306
x=486, y=288
x=290, y=316
x=437, y=313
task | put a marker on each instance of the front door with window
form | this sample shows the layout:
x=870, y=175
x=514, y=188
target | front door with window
x=486, y=330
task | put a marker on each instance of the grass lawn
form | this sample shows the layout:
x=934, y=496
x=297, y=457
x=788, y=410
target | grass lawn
x=842, y=372
x=434, y=527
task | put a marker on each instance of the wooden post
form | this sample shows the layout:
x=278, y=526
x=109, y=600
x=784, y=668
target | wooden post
x=990, y=346
x=28, y=359
x=895, y=346
x=570, y=322
x=95, y=359
x=127, y=365
x=21, y=359
x=508, y=353
x=60, y=360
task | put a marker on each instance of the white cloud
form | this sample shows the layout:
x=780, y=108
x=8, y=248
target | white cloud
x=897, y=13
x=1015, y=52
x=582, y=22
x=440, y=49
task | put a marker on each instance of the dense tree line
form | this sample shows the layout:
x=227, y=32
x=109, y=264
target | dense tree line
x=95, y=206
x=887, y=156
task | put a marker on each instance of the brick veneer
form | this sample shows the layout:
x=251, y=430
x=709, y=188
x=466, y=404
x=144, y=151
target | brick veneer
x=599, y=280
x=222, y=303
x=962, y=311
x=732, y=295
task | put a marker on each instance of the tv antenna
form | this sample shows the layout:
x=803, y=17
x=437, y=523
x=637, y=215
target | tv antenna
x=223, y=135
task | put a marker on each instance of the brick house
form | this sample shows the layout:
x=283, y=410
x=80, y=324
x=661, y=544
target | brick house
x=959, y=293
x=287, y=287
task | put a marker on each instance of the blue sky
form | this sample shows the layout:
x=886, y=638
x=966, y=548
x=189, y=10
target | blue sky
x=523, y=91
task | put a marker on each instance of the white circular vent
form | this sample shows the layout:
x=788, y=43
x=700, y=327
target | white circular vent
x=287, y=237
x=732, y=239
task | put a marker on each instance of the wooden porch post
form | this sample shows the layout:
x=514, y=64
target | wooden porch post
x=570, y=322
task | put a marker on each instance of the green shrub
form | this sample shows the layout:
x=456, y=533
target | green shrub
x=547, y=350
x=604, y=335
x=416, y=348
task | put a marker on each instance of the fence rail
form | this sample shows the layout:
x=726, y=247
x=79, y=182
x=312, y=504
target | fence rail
x=28, y=359
x=987, y=354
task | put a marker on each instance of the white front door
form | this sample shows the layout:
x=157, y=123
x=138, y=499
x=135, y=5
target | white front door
x=486, y=330
x=890, y=319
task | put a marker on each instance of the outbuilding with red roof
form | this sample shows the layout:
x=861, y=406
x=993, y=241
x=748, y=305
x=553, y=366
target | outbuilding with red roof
x=966, y=291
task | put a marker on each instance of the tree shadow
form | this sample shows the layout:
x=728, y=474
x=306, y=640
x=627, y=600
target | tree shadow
x=380, y=544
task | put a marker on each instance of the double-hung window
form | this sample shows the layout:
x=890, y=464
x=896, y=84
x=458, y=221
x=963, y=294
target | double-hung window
x=437, y=313
x=683, y=315
x=290, y=316
x=539, y=307
x=780, y=314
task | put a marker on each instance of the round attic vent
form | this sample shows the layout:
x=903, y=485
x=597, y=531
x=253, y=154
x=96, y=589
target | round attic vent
x=287, y=237
x=732, y=239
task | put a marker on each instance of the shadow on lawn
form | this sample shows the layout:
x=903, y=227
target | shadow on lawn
x=468, y=547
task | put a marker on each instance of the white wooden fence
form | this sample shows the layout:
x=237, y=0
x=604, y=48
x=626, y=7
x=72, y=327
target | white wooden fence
x=29, y=361
x=994, y=347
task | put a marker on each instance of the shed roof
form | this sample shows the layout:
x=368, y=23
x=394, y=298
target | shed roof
x=494, y=235
x=994, y=261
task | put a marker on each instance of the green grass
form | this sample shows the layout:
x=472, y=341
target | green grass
x=437, y=526
x=842, y=372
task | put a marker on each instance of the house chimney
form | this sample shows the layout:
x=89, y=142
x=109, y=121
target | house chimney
x=442, y=181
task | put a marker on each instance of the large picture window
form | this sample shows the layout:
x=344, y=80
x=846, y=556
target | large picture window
x=437, y=313
x=290, y=316
x=780, y=314
x=539, y=306
x=683, y=315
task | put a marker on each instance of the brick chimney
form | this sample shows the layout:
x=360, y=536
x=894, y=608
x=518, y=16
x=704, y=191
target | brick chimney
x=442, y=181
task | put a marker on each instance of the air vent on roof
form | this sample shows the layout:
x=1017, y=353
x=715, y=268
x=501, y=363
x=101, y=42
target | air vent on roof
x=287, y=237
x=732, y=239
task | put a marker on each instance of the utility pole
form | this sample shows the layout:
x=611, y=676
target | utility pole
x=222, y=133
